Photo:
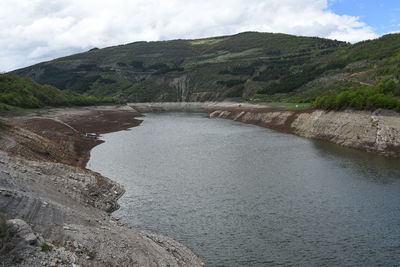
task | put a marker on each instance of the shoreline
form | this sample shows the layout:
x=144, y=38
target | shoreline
x=45, y=186
x=67, y=126
x=44, y=182
x=377, y=132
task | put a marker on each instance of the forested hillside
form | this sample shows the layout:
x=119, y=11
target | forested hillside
x=22, y=92
x=253, y=66
x=183, y=70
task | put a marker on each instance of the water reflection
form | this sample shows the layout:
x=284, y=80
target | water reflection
x=370, y=166
x=241, y=195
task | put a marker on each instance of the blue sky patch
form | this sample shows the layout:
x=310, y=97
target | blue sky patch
x=382, y=15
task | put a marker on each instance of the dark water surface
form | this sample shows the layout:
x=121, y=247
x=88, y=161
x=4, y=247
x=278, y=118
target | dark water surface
x=241, y=195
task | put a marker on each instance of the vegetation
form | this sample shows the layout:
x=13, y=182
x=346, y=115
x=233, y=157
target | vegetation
x=362, y=97
x=46, y=247
x=259, y=67
x=26, y=93
x=213, y=68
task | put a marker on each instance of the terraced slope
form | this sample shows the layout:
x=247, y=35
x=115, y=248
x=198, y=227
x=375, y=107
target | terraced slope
x=250, y=65
x=185, y=70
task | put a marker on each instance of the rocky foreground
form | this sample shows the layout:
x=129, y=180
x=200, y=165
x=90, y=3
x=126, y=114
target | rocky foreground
x=54, y=212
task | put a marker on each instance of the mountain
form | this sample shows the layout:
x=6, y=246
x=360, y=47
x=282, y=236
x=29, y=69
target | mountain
x=183, y=70
x=248, y=65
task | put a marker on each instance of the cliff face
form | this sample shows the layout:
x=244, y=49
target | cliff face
x=362, y=130
x=375, y=132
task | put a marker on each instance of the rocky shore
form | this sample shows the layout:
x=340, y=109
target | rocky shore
x=377, y=131
x=54, y=212
x=373, y=132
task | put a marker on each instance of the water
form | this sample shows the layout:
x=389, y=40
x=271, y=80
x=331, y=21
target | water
x=241, y=195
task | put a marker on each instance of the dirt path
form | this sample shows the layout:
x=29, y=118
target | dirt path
x=351, y=77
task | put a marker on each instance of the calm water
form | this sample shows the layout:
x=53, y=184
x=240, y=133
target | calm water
x=241, y=195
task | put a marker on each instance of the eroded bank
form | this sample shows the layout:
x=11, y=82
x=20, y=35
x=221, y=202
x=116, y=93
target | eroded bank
x=58, y=212
x=377, y=131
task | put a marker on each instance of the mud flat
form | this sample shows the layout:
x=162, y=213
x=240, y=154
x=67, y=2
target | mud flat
x=377, y=131
x=57, y=212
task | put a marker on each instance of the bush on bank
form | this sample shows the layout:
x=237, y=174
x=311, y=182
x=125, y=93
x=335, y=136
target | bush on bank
x=385, y=95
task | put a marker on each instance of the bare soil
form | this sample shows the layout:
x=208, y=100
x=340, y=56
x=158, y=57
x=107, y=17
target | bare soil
x=66, y=128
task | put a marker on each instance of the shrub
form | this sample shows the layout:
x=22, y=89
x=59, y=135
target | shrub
x=364, y=98
x=46, y=247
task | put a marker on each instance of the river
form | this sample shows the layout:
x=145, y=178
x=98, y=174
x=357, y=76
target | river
x=242, y=195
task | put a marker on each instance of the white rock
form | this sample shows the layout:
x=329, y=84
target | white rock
x=23, y=230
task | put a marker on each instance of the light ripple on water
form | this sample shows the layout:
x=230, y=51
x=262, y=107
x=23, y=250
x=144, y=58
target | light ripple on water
x=241, y=195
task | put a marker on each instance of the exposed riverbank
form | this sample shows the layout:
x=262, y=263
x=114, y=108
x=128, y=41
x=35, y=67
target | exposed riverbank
x=377, y=132
x=44, y=183
x=43, y=180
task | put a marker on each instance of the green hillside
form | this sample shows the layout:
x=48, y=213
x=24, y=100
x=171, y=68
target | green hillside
x=185, y=70
x=254, y=66
x=365, y=64
x=22, y=92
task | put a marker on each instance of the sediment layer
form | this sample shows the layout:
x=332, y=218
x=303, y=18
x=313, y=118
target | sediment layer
x=66, y=207
x=360, y=130
x=377, y=131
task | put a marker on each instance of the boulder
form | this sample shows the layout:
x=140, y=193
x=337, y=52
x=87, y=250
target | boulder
x=22, y=230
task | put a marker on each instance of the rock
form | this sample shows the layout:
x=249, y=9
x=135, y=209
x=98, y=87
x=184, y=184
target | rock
x=21, y=229
x=40, y=240
x=376, y=132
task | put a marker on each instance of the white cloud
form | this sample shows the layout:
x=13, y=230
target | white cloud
x=36, y=30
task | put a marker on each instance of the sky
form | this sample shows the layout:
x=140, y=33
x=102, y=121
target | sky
x=383, y=16
x=33, y=31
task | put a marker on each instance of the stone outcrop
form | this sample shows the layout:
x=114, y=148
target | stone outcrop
x=22, y=230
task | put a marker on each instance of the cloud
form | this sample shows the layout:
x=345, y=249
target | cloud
x=32, y=31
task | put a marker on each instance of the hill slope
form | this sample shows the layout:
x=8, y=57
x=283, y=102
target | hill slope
x=248, y=65
x=365, y=64
x=183, y=70
x=26, y=93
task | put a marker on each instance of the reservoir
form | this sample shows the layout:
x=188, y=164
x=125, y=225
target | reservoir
x=242, y=195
